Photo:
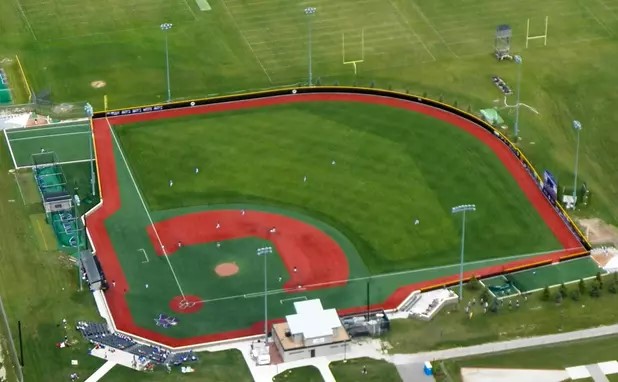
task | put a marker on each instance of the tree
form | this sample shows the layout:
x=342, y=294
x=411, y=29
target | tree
x=474, y=283
x=581, y=286
x=545, y=295
x=575, y=295
x=595, y=291
x=493, y=307
x=558, y=297
x=612, y=288
x=599, y=280
x=485, y=295
x=563, y=290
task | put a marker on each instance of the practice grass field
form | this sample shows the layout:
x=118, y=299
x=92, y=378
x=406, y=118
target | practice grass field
x=389, y=171
x=437, y=47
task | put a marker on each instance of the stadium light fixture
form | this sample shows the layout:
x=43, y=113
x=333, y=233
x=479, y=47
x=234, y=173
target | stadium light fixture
x=165, y=27
x=456, y=210
x=578, y=127
x=310, y=11
x=519, y=61
x=264, y=251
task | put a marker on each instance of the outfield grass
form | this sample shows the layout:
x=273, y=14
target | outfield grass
x=300, y=374
x=548, y=357
x=452, y=328
x=377, y=370
x=222, y=366
x=385, y=176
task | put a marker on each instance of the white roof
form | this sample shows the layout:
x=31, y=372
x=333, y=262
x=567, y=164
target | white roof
x=311, y=320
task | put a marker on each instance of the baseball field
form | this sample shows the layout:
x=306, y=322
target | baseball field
x=344, y=189
x=75, y=51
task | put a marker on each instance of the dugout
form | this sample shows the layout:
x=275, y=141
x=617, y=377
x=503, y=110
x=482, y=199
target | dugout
x=90, y=268
x=367, y=324
x=311, y=332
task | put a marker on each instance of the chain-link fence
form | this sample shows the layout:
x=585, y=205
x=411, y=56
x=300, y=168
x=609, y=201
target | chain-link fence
x=7, y=346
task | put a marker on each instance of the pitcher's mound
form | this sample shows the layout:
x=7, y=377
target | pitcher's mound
x=226, y=269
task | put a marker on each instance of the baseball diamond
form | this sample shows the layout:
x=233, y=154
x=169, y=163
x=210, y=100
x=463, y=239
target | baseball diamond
x=337, y=227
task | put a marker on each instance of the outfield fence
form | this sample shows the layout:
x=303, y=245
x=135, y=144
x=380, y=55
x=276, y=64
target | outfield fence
x=376, y=92
x=12, y=350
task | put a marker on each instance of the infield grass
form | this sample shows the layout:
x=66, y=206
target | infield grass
x=389, y=170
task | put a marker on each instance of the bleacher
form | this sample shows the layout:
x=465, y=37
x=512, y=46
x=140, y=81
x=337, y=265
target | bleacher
x=99, y=333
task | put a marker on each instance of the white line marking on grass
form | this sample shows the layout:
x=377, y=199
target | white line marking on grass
x=145, y=255
x=247, y=41
x=426, y=19
x=609, y=32
x=190, y=9
x=19, y=187
x=139, y=194
x=21, y=10
x=59, y=163
x=48, y=136
x=55, y=127
x=406, y=22
x=6, y=137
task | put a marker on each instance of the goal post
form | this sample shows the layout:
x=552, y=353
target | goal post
x=362, y=55
x=537, y=37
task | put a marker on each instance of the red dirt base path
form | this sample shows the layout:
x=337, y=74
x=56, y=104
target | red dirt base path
x=186, y=304
x=106, y=166
x=319, y=260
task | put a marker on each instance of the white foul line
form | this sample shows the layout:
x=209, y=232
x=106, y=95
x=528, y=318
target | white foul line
x=48, y=136
x=139, y=194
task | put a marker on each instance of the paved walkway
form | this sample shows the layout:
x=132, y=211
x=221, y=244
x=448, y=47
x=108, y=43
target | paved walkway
x=100, y=373
x=494, y=347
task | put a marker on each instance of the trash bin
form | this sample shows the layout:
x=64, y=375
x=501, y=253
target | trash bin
x=427, y=368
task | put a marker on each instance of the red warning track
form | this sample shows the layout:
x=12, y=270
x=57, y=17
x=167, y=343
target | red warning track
x=109, y=186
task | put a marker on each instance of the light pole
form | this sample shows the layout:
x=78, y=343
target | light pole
x=518, y=61
x=166, y=27
x=264, y=251
x=578, y=127
x=455, y=210
x=309, y=11
x=89, y=113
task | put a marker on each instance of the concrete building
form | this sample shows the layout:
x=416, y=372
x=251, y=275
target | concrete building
x=311, y=332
